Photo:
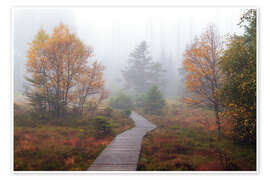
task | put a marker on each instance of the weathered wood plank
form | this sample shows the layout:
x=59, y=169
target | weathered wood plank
x=108, y=167
x=122, y=154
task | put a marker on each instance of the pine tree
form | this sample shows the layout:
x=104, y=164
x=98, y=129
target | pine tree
x=154, y=101
x=141, y=72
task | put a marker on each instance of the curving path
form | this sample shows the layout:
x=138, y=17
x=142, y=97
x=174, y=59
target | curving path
x=123, y=152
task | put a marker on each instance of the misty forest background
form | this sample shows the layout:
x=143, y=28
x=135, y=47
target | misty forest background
x=78, y=74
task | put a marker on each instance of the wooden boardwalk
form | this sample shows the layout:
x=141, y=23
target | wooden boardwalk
x=122, y=154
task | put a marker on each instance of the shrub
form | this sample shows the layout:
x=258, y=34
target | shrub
x=91, y=106
x=122, y=102
x=25, y=120
x=140, y=101
x=81, y=122
x=102, y=126
x=226, y=161
x=127, y=112
x=108, y=111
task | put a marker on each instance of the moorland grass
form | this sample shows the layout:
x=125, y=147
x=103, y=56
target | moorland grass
x=68, y=144
x=183, y=141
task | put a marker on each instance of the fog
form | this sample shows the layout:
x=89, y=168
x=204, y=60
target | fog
x=115, y=32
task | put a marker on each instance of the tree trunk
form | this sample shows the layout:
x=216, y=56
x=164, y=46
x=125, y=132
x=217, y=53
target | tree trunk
x=81, y=113
x=218, y=122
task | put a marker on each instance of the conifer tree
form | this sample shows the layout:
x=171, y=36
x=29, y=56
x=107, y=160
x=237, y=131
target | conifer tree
x=154, y=101
x=141, y=72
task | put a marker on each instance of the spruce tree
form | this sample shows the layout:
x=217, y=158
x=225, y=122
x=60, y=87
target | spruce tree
x=141, y=72
x=154, y=101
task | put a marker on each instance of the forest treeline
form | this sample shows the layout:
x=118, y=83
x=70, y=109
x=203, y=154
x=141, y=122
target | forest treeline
x=219, y=76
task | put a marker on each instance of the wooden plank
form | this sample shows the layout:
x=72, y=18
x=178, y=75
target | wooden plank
x=108, y=167
x=122, y=154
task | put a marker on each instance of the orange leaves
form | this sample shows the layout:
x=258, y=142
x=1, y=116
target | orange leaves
x=61, y=32
x=201, y=63
x=90, y=82
x=58, y=66
x=25, y=141
x=35, y=60
x=203, y=78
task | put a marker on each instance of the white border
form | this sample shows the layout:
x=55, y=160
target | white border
x=263, y=91
x=120, y=172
